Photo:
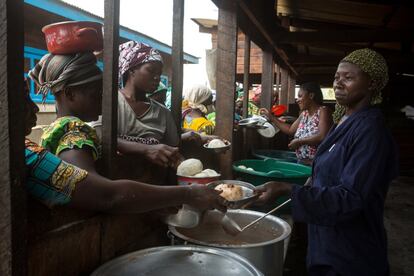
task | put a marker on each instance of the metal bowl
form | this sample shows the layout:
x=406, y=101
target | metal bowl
x=248, y=192
x=178, y=261
x=220, y=149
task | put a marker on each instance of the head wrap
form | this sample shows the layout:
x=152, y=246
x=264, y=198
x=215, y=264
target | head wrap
x=196, y=96
x=133, y=53
x=161, y=88
x=373, y=64
x=56, y=72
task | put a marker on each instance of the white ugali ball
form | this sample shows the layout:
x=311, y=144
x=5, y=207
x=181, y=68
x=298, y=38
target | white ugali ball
x=216, y=143
x=210, y=173
x=202, y=174
x=190, y=167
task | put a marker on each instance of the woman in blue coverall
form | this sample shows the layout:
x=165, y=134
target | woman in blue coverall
x=352, y=170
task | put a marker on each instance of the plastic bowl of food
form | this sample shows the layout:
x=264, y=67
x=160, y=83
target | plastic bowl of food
x=237, y=193
x=218, y=145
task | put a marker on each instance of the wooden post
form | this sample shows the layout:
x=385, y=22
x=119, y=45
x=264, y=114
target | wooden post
x=177, y=61
x=284, y=79
x=110, y=86
x=267, y=79
x=291, y=90
x=246, y=75
x=246, y=86
x=226, y=79
x=278, y=81
x=267, y=85
x=13, y=216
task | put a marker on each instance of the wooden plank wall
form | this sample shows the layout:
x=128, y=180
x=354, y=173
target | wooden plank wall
x=226, y=77
x=12, y=113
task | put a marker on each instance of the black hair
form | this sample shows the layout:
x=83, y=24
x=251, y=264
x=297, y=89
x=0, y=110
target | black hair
x=315, y=89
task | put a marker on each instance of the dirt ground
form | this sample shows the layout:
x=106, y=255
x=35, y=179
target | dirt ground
x=399, y=222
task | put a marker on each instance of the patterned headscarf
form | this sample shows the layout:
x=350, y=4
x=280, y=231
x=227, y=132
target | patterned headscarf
x=196, y=95
x=133, y=53
x=55, y=72
x=373, y=64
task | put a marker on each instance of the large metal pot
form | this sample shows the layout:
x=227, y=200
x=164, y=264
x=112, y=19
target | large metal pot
x=179, y=261
x=73, y=37
x=262, y=244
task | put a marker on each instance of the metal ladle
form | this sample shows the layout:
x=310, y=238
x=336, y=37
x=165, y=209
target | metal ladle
x=231, y=227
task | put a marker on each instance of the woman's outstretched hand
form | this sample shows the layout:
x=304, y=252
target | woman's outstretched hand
x=270, y=191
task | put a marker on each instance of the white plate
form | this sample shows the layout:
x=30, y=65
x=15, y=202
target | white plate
x=269, y=131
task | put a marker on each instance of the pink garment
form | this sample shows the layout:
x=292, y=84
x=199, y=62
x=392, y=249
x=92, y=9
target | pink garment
x=308, y=126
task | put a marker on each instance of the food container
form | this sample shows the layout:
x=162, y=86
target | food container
x=261, y=124
x=188, y=180
x=226, y=147
x=73, y=37
x=262, y=244
x=248, y=192
x=179, y=261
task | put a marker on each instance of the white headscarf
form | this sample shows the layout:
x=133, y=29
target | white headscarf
x=196, y=95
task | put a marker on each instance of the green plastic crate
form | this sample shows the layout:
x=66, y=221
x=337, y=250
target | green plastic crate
x=272, y=170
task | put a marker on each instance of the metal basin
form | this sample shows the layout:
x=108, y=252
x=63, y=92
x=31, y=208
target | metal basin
x=179, y=261
x=262, y=244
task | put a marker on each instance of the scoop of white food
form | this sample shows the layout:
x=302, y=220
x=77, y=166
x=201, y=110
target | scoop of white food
x=250, y=169
x=202, y=174
x=190, y=167
x=210, y=172
x=216, y=143
x=242, y=167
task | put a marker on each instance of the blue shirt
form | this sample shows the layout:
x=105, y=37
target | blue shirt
x=50, y=179
x=344, y=206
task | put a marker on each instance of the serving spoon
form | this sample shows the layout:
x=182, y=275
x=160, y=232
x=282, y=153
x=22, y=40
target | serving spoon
x=231, y=227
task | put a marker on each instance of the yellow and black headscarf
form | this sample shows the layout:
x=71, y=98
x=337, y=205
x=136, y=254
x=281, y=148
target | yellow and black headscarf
x=373, y=64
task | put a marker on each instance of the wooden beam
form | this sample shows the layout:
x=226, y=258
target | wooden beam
x=110, y=86
x=226, y=76
x=13, y=216
x=177, y=61
x=382, y=35
x=246, y=74
x=302, y=59
x=267, y=79
x=267, y=36
x=318, y=25
x=345, y=12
